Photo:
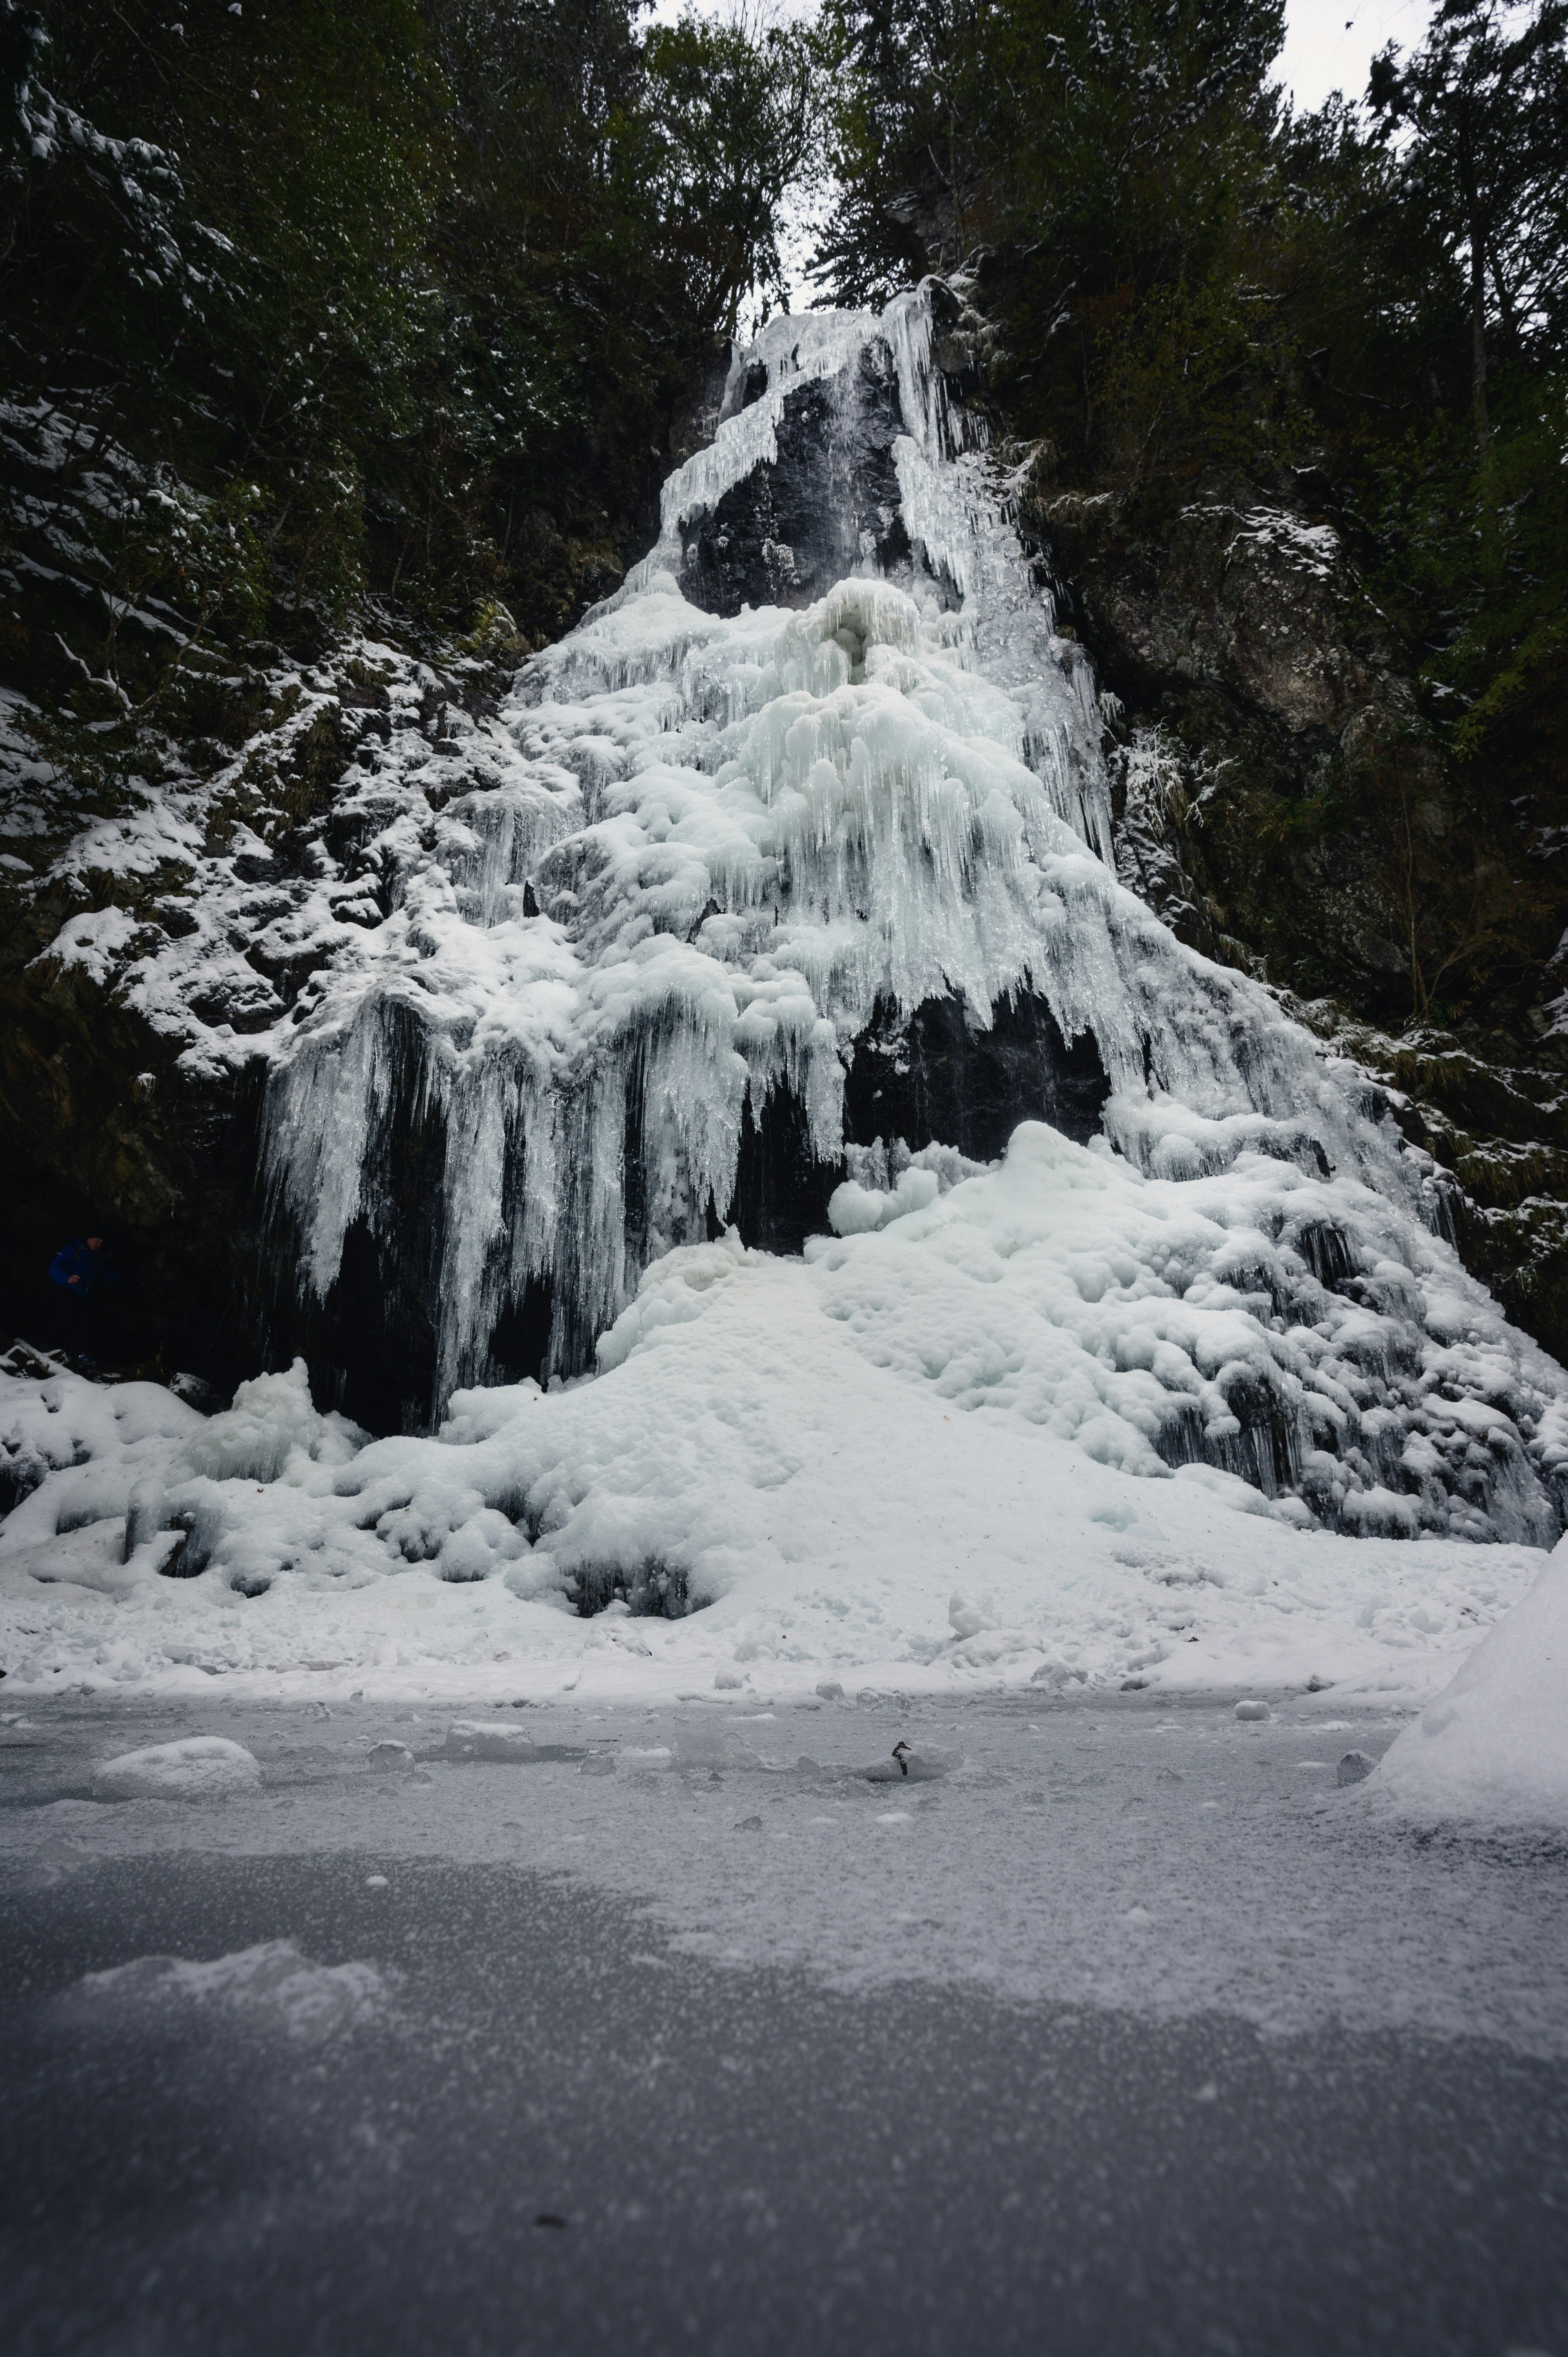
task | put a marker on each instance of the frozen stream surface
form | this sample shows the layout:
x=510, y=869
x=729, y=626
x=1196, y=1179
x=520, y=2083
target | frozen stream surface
x=1123, y=2026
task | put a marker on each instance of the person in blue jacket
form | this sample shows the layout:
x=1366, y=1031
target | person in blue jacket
x=76, y=1271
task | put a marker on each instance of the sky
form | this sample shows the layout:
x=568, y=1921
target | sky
x=1329, y=44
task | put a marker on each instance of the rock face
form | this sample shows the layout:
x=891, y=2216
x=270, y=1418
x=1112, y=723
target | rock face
x=816, y=511
x=1280, y=788
x=1283, y=802
x=148, y=948
x=938, y=1074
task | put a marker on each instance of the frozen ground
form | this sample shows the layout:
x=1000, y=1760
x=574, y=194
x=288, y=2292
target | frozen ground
x=677, y=2029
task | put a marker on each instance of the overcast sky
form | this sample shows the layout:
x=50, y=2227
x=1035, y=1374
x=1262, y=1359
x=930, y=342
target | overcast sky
x=1328, y=43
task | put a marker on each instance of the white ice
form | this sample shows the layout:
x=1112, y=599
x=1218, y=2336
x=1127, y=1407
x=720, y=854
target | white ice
x=1491, y=1751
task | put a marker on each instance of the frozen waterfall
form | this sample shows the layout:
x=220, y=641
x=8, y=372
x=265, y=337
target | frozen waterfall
x=794, y=867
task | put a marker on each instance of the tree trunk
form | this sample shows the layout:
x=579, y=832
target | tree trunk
x=1479, y=339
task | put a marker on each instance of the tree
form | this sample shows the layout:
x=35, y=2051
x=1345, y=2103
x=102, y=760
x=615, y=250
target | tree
x=1486, y=106
x=735, y=124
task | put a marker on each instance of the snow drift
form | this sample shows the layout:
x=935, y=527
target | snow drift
x=1491, y=1752
x=924, y=1452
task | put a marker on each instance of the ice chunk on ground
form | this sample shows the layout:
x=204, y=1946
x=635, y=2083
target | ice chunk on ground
x=1492, y=1749
x=469, y=1739
x=270, y=1986
x=199, y=1767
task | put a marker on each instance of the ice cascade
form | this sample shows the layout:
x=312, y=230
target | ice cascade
x=807, y=826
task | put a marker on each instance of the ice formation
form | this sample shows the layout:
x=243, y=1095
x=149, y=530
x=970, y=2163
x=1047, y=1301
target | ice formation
x=728, y=838
x=741, y=860
x=972, y=1278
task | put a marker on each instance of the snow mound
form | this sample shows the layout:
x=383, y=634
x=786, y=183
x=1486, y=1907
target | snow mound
x=60, y=1420
x=953, y=1445
x=1492, y=1749
x=198, y=1767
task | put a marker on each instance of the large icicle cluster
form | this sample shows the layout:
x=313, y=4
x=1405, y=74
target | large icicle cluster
x=722, y=845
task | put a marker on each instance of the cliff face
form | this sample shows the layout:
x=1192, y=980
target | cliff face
x=1285, y=803
x=146, y=946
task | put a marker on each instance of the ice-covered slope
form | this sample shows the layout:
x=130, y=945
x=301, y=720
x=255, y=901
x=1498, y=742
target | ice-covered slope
x=774, y=892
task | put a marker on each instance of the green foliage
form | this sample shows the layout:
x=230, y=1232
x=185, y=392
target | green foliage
x=734, y=119
x=1479, y=563
x=341, y=301
x=1111, y=159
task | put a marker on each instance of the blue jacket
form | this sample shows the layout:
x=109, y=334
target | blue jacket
x=74, y=1259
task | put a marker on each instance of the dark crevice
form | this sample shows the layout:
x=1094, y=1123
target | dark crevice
x=936, y=1077
x=781, y=1189
x=652, y=1590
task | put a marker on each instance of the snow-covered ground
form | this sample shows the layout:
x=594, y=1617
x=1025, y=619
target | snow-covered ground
x=917, y=1459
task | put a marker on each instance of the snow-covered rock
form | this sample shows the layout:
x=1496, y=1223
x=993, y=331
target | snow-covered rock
x=198, y=1767
x=1492, y=1749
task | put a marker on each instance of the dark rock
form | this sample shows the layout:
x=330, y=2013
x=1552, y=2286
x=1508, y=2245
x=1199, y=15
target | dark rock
x=938, y=1075
x=781, y=1189
x=787, y=533
x=1354, y=1768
